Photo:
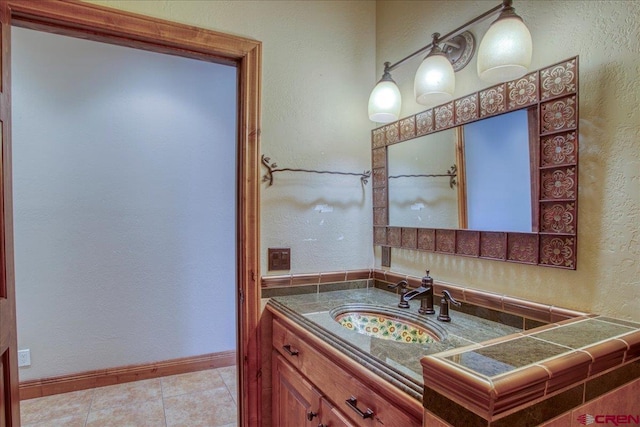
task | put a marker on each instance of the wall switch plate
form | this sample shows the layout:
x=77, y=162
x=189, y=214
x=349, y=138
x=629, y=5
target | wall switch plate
x=279, y=259
x=24, y=358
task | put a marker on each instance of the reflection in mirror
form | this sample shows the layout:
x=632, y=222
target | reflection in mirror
x=423, y=201
x=498, y=173
x=494, y=174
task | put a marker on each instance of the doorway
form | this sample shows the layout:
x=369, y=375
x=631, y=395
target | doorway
x=122, y=225
x=103, y=24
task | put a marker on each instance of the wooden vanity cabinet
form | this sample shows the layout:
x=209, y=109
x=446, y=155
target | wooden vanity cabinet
x=296, y=403
x=313, y=384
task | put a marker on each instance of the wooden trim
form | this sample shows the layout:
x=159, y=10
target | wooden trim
x=103, y=377
x=463, y=217
x=315, y=278
x=79, y=19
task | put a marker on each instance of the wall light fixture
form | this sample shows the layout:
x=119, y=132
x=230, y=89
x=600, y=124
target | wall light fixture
x=504, y=54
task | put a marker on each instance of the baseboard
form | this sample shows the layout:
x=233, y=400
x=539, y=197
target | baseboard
x=103, y=377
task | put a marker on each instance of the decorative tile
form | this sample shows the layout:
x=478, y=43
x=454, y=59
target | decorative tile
x=466, y=109
x=559, y=80
x=379, y=158
x=379, y=235
x=380, y=197
x=567, y=370
x=446, y=241
x=378, y=138
x=386, y=328
x=409, y=238
x=559, y=149
x=392, y=133
x=558, y=183
x=427, y=239
x=380, y=216
x=522, y=92
x=558, y=115
x=558, y=217
x=444, y=116
x=379, y=178
x=558, y=251
x=394, y=236
x=492, y=101
x=606, y=355
x=468, y=242
x=493, y=245
x=424, y=122
x=522, y=247
x=408, y=128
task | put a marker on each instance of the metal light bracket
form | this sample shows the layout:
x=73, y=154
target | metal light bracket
x=460, y=49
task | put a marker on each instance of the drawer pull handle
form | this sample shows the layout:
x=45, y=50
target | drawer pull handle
x=352, y=402
x=311, y=414
x=287, y=348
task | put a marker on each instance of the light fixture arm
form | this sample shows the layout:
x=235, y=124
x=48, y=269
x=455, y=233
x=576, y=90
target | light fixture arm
x=506, y=4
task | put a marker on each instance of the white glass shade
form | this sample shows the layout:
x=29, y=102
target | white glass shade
x=505, y=51
x=435, y=81
x=385, y=102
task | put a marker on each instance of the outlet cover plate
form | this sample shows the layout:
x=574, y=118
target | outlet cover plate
x=279, y=259
x=24, y=358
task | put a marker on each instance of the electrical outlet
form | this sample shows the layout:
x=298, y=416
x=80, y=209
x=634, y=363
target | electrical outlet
x=24, y=358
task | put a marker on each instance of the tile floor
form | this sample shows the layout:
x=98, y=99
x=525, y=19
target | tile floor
x=197, y=399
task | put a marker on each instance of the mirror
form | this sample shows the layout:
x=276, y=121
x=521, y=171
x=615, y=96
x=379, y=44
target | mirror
x=417, y=199
x=492, y=188
x=515, y=149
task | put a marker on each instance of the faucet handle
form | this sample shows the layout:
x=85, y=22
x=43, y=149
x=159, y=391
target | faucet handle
x=444, y=306
x=401, y=284
x=447, y=297
x=403, y=290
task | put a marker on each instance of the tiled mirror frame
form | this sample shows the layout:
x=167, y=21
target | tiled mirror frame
x=553, y=93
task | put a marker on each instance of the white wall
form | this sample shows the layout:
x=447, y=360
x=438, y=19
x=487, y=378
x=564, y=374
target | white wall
x=124, y=201
x=605, y=34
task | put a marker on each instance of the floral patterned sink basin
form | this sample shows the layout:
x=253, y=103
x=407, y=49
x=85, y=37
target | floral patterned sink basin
x=387, y=323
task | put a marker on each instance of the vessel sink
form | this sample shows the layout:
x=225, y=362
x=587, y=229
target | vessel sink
x=388, y=323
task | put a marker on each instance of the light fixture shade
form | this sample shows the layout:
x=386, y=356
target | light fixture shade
x=505, y=50
x=435, y=80
x=385, y=102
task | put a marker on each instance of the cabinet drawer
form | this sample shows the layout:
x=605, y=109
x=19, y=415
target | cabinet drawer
x=367, y=407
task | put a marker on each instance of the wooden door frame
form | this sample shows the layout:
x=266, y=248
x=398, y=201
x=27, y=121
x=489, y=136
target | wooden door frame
x=74, y=18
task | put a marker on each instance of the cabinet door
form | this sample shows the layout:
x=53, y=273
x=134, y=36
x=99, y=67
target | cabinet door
x=296, y=403
x=332, y=417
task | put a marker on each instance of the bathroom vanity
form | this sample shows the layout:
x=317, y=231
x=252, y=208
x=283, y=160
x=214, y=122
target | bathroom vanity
x=500, y=361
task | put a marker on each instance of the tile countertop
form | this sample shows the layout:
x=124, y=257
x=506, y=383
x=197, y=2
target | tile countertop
x=397, y=362
x=492, y=379
x=486, y=366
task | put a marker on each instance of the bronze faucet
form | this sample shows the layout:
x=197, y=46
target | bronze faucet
x=443, y=316
x=403, y=291
x=425, y=294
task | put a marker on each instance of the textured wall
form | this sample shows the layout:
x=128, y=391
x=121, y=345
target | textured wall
x=606, y=37
x=318, y=69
